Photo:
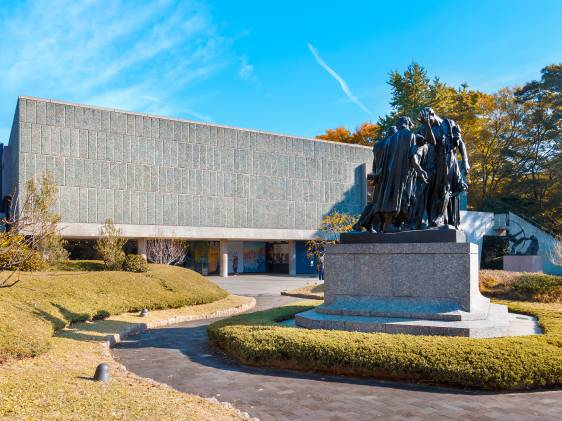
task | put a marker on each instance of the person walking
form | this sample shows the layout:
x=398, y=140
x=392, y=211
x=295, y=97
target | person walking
x=321, y=268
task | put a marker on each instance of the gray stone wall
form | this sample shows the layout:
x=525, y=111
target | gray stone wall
x=140, y=169
x=11, y=159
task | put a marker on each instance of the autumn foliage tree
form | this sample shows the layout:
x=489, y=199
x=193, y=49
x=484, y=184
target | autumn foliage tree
x=331, y=227
x=365, y=134
x=513, y=138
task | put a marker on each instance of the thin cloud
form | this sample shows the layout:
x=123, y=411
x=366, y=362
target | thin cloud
x=246, y=70
x=339, y=79
x=110, y=54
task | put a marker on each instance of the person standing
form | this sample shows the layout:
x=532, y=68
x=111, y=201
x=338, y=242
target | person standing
x=235, y=264
x=321, y=267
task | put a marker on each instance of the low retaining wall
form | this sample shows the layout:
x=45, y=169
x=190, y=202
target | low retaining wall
x=135, y=329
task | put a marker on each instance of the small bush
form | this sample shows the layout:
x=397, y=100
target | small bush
x=539, y=287
x=110, y=246
x=15, y=254
x=52, y=248
x=521, y=286
x=135, y=263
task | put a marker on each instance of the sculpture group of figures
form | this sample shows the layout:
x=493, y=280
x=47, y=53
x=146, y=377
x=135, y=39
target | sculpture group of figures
x=417, y=176
x=516, y=240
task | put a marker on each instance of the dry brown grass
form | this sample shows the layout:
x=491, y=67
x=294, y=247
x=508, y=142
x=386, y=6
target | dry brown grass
x=58, y=385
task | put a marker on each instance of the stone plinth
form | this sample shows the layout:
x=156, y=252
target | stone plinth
x=433, y=235
x=415, y=288
x=522, y=263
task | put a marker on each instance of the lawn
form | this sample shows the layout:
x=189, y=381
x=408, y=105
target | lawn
x=44, y=302
x=56, y=317
x=57, y=384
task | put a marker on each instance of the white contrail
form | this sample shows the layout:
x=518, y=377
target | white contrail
x=342, y=82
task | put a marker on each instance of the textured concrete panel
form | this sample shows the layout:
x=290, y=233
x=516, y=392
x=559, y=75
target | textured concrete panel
x=212, y=175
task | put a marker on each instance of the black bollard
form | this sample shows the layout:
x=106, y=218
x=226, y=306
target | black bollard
x=144, y=312
x=102, y=373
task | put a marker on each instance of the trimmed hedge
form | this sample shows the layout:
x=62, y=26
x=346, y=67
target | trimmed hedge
x=509, y=363
x=135, y=263
x=44, y=302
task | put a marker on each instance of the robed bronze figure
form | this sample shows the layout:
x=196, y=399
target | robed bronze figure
x=418, y=176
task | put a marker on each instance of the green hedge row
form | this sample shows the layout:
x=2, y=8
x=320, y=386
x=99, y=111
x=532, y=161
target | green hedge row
x=500, y=363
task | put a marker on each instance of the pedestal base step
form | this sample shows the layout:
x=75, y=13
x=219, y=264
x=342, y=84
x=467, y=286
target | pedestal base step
x=495, y=325
x=402, y=307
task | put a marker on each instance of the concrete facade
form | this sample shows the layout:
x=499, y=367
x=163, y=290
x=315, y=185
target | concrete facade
x=162, y=177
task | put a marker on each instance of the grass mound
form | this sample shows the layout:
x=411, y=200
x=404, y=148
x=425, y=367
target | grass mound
x=502, y=363
x=58, y=385
x=313, y=291
x=521, y=286
x=45, y=302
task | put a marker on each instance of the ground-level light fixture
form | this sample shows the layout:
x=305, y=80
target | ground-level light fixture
x=102, y=373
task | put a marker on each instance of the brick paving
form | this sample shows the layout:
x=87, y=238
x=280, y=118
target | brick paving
x=181, y=357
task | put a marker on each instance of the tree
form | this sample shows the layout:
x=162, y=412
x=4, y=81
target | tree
x=331, y=227
x=365, y=134
x=110, y=244
x=166, y=251
x=32, y=230
x=36, y=219
x=410, y=91
x=539, y=154
x=513, y=138
x=339, y=134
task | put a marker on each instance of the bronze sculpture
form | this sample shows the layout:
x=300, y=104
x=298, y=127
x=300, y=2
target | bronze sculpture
x=368, y=219
x=417, y=176
x=444, y=137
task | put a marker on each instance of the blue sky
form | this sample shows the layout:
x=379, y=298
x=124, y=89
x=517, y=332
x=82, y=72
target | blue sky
x=294, y=67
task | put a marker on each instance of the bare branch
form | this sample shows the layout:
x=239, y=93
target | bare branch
x=166, y=251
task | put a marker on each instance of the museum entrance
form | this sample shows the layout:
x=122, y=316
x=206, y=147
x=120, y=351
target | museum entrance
x=277, y=257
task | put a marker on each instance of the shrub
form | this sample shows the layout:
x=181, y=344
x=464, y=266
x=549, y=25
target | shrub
x=110, y=246
x=539, y=287
x=135, y=263
x=166, y=251
x=524, y=362
x=53, y=249
x=16, y=254
x=521, y=286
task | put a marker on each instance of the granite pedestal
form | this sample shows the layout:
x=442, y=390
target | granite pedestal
x=423, y=288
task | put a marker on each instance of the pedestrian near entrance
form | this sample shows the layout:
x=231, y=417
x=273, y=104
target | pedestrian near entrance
x=235, y=265
x=321, y=268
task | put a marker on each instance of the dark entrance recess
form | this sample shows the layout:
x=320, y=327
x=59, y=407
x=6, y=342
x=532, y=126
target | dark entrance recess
x=277, y=257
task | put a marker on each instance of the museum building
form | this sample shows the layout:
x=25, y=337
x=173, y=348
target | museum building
x=234, y=194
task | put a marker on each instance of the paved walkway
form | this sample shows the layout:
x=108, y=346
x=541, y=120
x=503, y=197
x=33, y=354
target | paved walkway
x=181, y=356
